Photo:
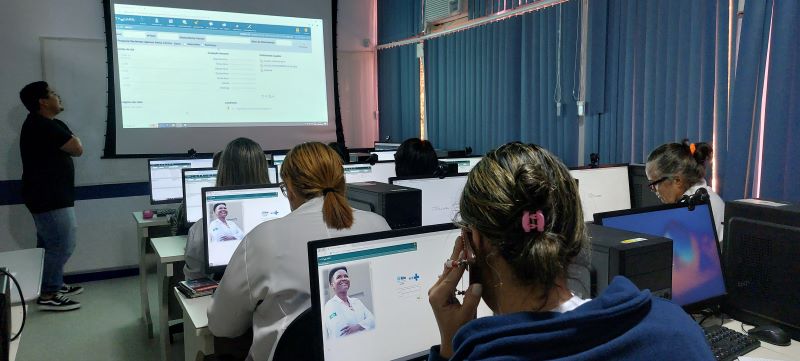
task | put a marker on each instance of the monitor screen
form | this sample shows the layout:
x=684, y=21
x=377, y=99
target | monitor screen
x=464, y=164
x=378, y=172
x=384, y=155
x=696, y=271
x=603, y=189
x=194, y=180
x=229, y=213
x=165, y=178
x=272, y=174
x=440, y=196
x=389, y=274
x=277, y=159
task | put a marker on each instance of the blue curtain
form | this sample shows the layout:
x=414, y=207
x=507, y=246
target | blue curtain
x=398, y=93
x=480, y=8
x=495, y=83
x=660, y=76
x=768, y=45
x=398, y=19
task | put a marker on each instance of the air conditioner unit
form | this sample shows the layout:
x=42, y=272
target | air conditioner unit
x=443, y=11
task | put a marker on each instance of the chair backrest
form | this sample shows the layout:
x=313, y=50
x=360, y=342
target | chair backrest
x=297, y=341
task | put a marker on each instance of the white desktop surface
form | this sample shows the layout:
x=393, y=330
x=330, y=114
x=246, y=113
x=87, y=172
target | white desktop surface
x=768, y=351
x=26, y=266
x=169, y=249
x=142, y=233
x=141, y=222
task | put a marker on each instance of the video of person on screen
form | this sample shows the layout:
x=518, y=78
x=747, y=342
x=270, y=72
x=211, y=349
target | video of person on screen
x=349, y=300
x=222, y=226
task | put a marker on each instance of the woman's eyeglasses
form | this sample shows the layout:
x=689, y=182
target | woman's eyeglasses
x=282, y=185
x=654, y=183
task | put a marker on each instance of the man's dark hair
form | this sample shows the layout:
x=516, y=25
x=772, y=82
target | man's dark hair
x=330, y=274
x=31, y=93
x=415, y=157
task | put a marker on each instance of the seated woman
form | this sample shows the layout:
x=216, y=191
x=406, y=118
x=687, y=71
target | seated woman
x=266, y=283
x=522, y=226
x=415, y=157
x=675, y=170
x=242, y=162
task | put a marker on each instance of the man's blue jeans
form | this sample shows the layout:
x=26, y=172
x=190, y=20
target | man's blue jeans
x=55, y=232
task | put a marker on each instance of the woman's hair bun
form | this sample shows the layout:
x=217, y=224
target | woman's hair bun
x=531, y=186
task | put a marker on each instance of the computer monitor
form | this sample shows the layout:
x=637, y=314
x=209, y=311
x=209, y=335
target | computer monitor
x=602, y=189
x=277, y=159
x=440, y=196
x=384, y=155
x=390, y=274
x=272, y=174
x=386, y=146
x=464, y=164
x=5, y=315
x=165, y=177
x=245, y=208
x=365, y=172
x=761, y=252
x=641, y=195
x=194, y=180
x=697, y=277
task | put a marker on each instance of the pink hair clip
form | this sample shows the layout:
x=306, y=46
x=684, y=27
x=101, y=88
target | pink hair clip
x=533, y=221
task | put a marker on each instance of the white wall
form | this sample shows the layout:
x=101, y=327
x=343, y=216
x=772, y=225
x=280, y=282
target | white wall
x=106, y=233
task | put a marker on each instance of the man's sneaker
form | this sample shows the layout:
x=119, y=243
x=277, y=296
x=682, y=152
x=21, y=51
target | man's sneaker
x=57, y=303
x=68, y=290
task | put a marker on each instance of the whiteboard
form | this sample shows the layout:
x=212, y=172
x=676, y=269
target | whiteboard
x=77, y=70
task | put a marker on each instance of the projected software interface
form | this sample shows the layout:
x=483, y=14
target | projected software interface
x=390, y=279
x=603, y=190
x=464, y=164
x=696, y=271
x=379, y=172
x=440, y=197
x=194, y=180
x=165, y=178
x=235, y=69
x=231, y=213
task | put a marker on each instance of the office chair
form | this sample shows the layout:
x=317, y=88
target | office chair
x=296, y=342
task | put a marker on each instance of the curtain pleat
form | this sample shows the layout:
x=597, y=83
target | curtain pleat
x=398, y=93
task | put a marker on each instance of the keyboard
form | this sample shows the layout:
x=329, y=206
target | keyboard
x=727, y=344
x=165, y=212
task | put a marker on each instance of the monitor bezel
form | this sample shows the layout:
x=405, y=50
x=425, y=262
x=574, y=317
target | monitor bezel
x=183, y=185
x=691, y=307
x=313, y=273
x=221, y=269
x=150, y=177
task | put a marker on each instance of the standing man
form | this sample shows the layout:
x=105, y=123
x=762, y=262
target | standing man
x=48, y=189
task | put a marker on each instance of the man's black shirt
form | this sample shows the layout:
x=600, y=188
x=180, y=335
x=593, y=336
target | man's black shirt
x=48, y=174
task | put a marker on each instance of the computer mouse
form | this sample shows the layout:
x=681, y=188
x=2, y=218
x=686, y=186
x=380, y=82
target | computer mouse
x=771, y=334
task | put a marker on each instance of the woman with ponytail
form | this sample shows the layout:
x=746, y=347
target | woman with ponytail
x=676, y=170
x=522, y=226
x=266, y=283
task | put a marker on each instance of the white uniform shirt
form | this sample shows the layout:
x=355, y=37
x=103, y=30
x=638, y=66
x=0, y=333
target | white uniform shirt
x=338, y=315
x=717, y=205
x=266, y=283
x=219, y=230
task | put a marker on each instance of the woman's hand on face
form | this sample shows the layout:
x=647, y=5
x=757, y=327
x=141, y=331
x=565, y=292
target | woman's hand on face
x=450, y=313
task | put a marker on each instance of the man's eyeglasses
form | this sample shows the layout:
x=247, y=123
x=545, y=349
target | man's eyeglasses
x=654, y=183
x=282, y=185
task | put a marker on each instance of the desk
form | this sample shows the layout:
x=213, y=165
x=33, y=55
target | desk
x=26, y=266
x=197, y=339
x=168, y=250
x=16, y=320
x=768, y=351
x=142, y=232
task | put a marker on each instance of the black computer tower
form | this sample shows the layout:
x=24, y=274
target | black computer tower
x=761, y=260
x=644, y=259
x=400, y=206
